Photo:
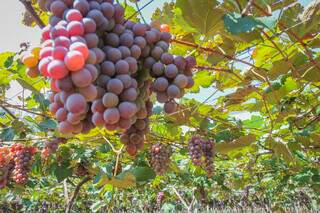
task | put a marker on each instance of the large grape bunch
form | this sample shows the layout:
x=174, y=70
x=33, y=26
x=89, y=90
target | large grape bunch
x=22, y=158
x=202, y=153
x=103, y=69
x=160, y=158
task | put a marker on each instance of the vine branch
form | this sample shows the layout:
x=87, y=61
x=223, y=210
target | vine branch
x=75, y=194
x=30, y=9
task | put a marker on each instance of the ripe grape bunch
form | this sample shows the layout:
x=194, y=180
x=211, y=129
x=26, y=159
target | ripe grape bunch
x=202, y=153
x=51, y=146
x=22, y=158
x=160, y=158
x=160, y=198
x=6, y=166
x=15, y=162
x=103, y=69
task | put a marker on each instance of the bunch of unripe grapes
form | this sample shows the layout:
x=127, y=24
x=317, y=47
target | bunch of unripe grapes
x=160, y=158
x=202, y=153
x=104, y=68
x=51, y=146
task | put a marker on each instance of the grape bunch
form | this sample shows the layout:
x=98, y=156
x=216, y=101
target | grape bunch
x=172, y=75
x=51, y=146
x=160, y=158
x=5, y=166
x=160, y=198
x=22, y=158
x=103, y=69
x=202, y=153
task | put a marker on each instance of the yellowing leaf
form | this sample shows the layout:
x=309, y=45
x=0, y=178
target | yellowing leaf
x=124, y=180
x=239, y=143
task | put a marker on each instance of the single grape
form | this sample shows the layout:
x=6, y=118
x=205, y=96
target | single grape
x=170, y=107
x=107, y=9
x=92, y=40
x=127, y=109
x=171, y=71
x=74, y=60
x=181, y=81
x=57, y=69
x=115, y=86
x=130, y=94
x=173, y=91
x=81, y=78
x=76, y=103
x=89, y=25
x=97, y=106
x=110, y=100
x=112, y=39
x=111, y=116
x=75, y=28
x=122, y=67
x=90, y=92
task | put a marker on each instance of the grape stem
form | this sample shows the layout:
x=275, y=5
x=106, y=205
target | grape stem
x=188, y=207
x=30, y=9
x=5, y=104
x=138, y=9
x=75, y=194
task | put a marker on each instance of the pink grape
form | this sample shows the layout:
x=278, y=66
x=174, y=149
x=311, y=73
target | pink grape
x=43, y=66
x=90, y=92
x=57, y=69
x=76, y=103
x=62, y=41
x=65, y=127
x=127, y=109
x=58, y=8
x=89, y=25
x=81, y=78
x=81, y=47
x=45, y=52
x=58, y=31
x=111, y=116
x=74, y=60
x=73, y=15
x=75, y=28
x=97, y=106
x=59, y=52
x=97, y=119
x=61, y=114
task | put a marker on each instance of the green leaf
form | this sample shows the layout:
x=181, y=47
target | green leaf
x=203, y=15
x=95, y=207
x=6, y=59
x=26, y=85
x=143, y=174
x=237, y=24
x=7, y=134
x=202, y=79
x=48, y=124
x=168, y=207
x=62, y=171
x=254, y=122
